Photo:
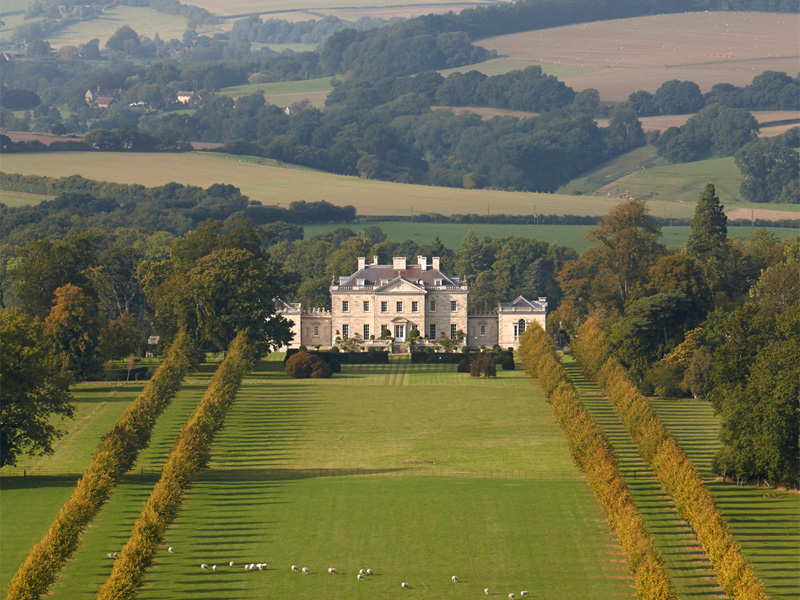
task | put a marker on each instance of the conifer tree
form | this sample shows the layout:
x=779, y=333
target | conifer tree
x=708, y=237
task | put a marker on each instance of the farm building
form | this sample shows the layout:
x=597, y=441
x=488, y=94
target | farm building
x=382, y=304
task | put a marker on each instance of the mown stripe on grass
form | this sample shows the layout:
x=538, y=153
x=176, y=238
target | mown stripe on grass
x=684, y=558
x=765, y=523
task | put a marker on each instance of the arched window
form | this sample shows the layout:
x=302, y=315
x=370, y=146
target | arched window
x=519, y=328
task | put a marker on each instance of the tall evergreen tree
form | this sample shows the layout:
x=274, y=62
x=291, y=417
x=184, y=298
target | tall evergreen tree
x=708, y=237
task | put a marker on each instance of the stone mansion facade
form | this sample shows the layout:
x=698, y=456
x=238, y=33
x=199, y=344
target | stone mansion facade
x=380, y=304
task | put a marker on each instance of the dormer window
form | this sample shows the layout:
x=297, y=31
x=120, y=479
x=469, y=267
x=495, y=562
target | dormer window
x=437, y=282
x=360, y=282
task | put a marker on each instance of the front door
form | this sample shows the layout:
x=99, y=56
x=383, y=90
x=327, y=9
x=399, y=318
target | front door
x=399, y=333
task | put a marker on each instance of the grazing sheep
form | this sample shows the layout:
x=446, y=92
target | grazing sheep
x=405, y=585
x=454, y=578
x=361, y=572
x=260, y=566
x=332, y=571
x=305, y=570
x=247, y=567
x=110, y=555
x=369, y=572
x=170, y=549
x=360, y=577
x=512, y=596
x=486, y=591
x=523, y=593
x=214, y=568
x=230, y=564
x=252, y=566
x=295, y=568
x=204, y=566
x=114, y=554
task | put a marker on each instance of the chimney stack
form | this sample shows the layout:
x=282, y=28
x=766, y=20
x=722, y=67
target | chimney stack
x=374, y=259
x=435, y=261
x=399, y=263
x=423, y=262
x=362, y=261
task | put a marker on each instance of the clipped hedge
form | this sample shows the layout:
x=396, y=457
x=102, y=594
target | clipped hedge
x=115, y=455
x=675, y=472
x=370, y=357
x=303, y=365
x=592, y=452
x=189, y=455
x=448, y=358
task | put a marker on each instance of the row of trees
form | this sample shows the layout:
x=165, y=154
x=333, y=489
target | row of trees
x=113, y=458
x=770, y=90
x=592, y=452
x=189, y=456
x=675, y=472
x=697, y=322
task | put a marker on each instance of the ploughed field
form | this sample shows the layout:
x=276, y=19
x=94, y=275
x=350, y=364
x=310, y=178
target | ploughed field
x=415, y=471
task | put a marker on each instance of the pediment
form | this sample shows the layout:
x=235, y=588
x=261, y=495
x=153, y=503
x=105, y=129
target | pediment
x=400, y=285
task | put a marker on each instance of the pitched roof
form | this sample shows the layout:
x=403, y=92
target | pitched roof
x=377, y=274
x=522, y=302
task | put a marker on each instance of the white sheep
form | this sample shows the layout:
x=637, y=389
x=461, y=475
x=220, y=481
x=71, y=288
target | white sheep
x=361, y=572
x=204, y=566
x=247, y=567
x=486, y=591
x=454, y=578
x=332, y=571
x=369, y=572
x=360, y=577
x=295, y=568
x=171, y=549
x=523, y=593
x=114, y=554
x=512, y=596
x=260, y=566
x=305, y=570
x=214, y=568
x=110, y=555
x=405, y=585
x=252, y=566
x=230, y=564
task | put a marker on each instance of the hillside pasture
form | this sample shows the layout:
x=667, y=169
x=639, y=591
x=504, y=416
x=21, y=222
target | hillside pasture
x=676, y=187
x=144, y=21
x=276, y=185
x=642, y=53
x=572, y=236
x=286, y=93
x=14, y=199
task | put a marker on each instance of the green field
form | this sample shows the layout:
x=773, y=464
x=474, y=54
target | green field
x=373, y=468
x=14, y=199
x=144, y=21
x=573, y=236
x=323, y=84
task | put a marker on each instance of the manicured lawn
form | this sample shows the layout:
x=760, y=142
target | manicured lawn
x=766, y=523
x=417, y=472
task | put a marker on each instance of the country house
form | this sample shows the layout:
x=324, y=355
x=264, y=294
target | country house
x=382, y=305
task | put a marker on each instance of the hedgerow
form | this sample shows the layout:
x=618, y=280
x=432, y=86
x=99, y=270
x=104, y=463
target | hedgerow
x=188, y=457
x=675, y=472
x=592, y=452
x=114, y=456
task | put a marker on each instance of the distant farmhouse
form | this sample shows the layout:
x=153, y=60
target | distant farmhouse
x=379, y=305
x=102, y=98
x=188, y=98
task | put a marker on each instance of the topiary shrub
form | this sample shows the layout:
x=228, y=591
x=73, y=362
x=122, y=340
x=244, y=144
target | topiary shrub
x=304, y=365
x=334, y=350
x=507, y=363
x=463, y=366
